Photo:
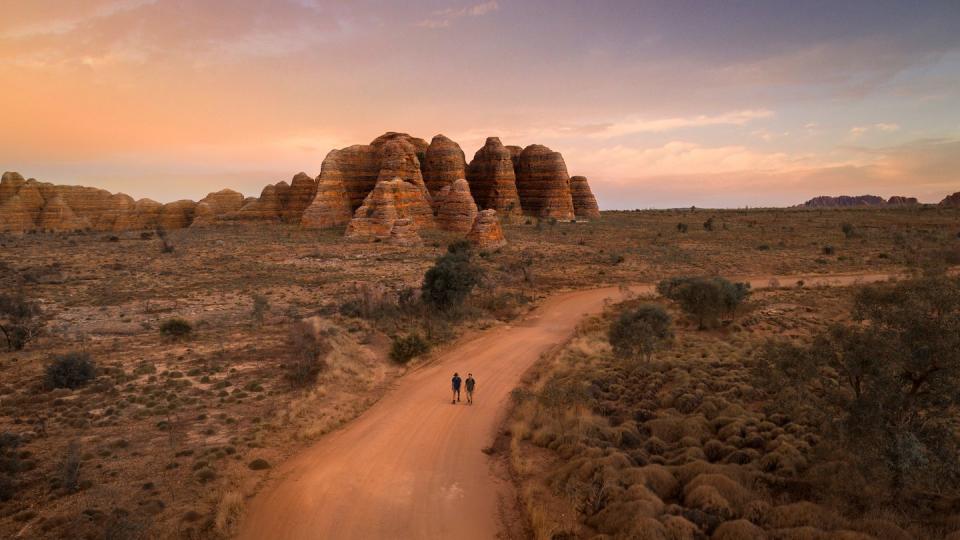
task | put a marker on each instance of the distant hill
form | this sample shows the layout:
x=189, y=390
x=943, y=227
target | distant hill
x=846, y=201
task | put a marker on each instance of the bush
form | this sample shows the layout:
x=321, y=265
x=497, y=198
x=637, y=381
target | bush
x=176, y=328
x=71, y=370
x=897, y=383
x=406, y=348
x=19, y=320
x=639, y=331
x=828, y=250
x=451, y=279
x=708, y=224
x=70, y=468
x=308, y=351
x=682, y=227
x=848, y=230
x=707, y=299
x=9, y=465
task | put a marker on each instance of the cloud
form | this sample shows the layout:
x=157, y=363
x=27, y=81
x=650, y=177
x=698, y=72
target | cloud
x=634, y=125
x=858, y=131
x=444, y=17
x=67, y=25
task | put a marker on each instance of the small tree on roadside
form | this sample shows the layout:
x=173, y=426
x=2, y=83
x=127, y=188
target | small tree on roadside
x=707, y=299
x=451, y=279
x=19, y=320
x=406, y=348
x=640, y=331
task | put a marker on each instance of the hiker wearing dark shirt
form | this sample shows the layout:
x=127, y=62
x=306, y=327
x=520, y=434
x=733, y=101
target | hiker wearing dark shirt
x=456, y=388
x=471, y=383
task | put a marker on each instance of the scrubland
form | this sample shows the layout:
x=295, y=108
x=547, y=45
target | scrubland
x=173, y=432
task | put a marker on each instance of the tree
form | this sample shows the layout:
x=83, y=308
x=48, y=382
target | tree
x=640, y=331
x=707, y=299
x=451, y=279
x=898, y=369
x=406, y=348
x=19, y=320
x=308, y=351
x=176, y=328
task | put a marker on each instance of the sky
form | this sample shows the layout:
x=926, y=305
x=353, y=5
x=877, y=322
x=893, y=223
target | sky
x=659, y=104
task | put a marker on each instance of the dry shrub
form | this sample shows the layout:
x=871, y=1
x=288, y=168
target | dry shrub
x=800, y=533
x=646, y=528
x=708, y=499
x=657, y=478
x=737, y=495
x=672, y=429
x=678, y=528
x=803, y=514
x=229, y=509
x=882, y=528
x=739, y=529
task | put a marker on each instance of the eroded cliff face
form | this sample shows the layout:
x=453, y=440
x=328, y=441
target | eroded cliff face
x=436, y=181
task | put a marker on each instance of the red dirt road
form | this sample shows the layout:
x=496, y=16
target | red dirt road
x=412, y=465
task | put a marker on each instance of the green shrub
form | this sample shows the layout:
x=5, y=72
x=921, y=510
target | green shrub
x=71, y=370
x=176, y=328
x=451, y=279
x=640, y=331
x=707, y=299
x=406, y=348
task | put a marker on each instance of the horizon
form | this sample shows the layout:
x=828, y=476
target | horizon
x=660, y=105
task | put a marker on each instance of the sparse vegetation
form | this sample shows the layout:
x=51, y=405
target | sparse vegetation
x=308, y=349
x=406, y=348
x=19, y=320
x=640, y=331
x=71, y=370
x=451, y=279
x=176, y=328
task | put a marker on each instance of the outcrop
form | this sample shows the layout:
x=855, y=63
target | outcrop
x=584, y=203
x=295, y=201
x=389, y=201
x=455, y=208
x=486, y=232
x=216, y=205
x=331, y=206
x=898, y=200
x=543, y=183
x=952, y=201
x=443, y=164
x=404, y=233
x=57, y=216
x=492, y=180
x=844, y=201
x=176, y=215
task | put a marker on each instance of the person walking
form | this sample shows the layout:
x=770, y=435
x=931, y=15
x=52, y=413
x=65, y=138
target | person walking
x=471, y=384
x=456, y=388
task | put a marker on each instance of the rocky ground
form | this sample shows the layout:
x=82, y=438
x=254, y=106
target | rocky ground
x=170, y=435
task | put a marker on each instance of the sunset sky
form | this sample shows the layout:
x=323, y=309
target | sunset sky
x=660, y=104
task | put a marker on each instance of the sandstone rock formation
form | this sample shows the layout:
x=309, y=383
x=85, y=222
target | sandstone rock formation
x=844, y=201
x=443, y=164
x=456, y=210
x=57, y=216
x=492, y=180
x=584, y=203
x=543, y=183
x=404, y=233
x=898, y=200
x=15, y=216
x=215, y=205
x=331, y=205
x=399, y=160
x=389, y=201
x=486, y=232
x=952, y=201
x=303, y=190
x=144, y=214
x=176, y=215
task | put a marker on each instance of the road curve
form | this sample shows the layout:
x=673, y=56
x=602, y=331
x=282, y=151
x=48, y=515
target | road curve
x=412, y=466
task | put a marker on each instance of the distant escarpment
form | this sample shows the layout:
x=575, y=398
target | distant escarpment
x=847, y=201
x=366, y=188
x=952, y=201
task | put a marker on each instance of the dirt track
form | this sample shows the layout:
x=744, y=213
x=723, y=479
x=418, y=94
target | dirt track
x=412, y=466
